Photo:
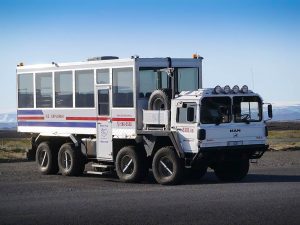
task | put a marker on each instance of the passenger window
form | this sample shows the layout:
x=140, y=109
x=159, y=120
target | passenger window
x=84, y=88
x=187, y=79
x=44, y=92
x=103, y=102
x=184, y=113
x=102, y=76
x=123, y=87
x=63, y=89
x=25, y=90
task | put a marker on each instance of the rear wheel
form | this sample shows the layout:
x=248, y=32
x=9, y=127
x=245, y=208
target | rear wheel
x=167, y=167
x=232, y=171
x=70, y=160
x=130, y=165
x=46, y=159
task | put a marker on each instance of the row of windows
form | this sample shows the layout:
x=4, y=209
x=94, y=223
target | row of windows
x=63, y=88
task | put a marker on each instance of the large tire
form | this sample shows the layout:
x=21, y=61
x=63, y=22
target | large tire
x=130, y=165
x=70, y=160
x=160, y=100
x=232, y=171
x=197, y=172
x=46, y=159
x=167, y=167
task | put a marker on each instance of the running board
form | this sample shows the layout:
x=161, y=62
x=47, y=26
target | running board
x=102, y=166
x=98, y=173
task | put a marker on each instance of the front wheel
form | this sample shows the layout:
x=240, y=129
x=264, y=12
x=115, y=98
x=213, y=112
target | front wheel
x=232, y=171
x=70, y=160
x=167, y=167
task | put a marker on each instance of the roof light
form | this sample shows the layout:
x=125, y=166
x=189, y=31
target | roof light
x=244, y=89
x=217, y=89
x=235, y=89
x=195, y=56
x=227, y=89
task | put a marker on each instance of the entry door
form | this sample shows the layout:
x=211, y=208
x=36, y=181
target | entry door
x=104, y=123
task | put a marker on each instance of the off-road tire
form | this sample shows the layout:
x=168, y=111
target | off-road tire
x=160, y=100
x=232, y=171
x=46, y=159
x=130, y=165
x=197, y=172
x=167, y=167
x=70, y=160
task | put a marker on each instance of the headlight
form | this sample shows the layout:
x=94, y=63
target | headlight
x=235, y=89
x=244, y=89
x=218, y=89
x=226, y=89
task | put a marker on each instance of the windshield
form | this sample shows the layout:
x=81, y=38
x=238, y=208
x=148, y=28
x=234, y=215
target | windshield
x=215, y=110
x=247, y=109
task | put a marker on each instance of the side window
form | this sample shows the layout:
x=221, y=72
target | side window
x=43, y=86
x=187, y=79
x=123, y=87
x=102, y=76
x=84, y=88
x=63, y=89
x=103, y=102
x=185, y=115
x=25, y=90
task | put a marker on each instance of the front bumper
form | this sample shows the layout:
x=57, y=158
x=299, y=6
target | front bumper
x=253, y=151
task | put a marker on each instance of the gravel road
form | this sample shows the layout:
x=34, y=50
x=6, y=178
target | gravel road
x=270, y=194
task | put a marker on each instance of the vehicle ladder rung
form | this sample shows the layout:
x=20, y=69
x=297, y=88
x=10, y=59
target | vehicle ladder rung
x=98, y=173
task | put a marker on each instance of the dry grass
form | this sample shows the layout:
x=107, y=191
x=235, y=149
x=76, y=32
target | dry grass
x=284, y=140
x=14, y=148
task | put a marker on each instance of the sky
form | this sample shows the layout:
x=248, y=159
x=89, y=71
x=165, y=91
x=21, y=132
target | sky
x=253, y=42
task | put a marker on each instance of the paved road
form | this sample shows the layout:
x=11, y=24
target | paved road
x=269, y=195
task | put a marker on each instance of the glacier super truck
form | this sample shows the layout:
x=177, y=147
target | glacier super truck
x=132, y=115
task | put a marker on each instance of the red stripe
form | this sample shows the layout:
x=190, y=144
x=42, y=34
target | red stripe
x=100, y=118
x=80, y=118
x=103, y=118
x=124, y=119
x=30, y=118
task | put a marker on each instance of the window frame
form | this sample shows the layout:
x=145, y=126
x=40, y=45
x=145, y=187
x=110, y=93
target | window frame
x=260, y=110
x=192, y=104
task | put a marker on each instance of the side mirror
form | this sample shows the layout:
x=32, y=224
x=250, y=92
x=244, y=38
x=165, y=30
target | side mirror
x=190, y=114
x=270, y=111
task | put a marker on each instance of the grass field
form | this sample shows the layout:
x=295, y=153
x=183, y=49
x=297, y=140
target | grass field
x=14, y=148
x=284, y=140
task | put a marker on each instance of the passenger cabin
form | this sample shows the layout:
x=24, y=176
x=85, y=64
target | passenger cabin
x=72, y=98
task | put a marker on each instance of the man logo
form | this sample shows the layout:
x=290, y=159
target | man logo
x=235, y=135
x=234, y=130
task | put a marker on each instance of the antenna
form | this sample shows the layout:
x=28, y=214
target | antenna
x=252, y=78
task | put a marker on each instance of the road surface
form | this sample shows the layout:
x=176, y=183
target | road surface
x=269, y=195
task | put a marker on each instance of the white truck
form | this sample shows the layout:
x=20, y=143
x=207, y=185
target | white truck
x=132, y=115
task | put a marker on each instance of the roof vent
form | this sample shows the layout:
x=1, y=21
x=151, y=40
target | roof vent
x=102, y=58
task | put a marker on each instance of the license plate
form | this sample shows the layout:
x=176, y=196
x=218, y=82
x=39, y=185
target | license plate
x=234, y=143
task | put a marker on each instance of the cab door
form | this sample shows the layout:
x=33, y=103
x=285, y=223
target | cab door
x=187, y=126
x=104, y=123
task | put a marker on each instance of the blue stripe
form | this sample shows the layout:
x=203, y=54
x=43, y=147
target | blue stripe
x=30, y=112
x=57, y=124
